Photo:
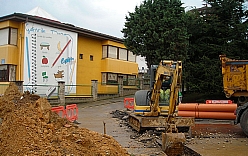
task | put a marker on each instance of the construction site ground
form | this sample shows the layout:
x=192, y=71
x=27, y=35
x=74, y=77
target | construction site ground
x=29, y=127
x=209, y=136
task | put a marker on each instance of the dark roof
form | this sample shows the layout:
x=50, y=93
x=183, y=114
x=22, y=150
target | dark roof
x=19, y=17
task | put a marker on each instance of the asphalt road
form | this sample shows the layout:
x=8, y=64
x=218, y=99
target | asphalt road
x=94, y=115
x=210, y=137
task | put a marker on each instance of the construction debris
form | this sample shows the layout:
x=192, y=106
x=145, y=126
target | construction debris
x=149, y=138
x=29, y=127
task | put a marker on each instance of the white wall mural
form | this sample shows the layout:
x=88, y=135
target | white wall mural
x=50, y=56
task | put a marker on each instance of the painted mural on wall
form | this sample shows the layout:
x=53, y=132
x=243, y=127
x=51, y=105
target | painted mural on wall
x=50, y=56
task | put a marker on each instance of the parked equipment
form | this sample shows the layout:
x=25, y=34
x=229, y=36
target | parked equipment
x=235, y=83
x=235, y=78
x=150, y=113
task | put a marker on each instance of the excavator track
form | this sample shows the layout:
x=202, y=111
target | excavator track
x=140, y=123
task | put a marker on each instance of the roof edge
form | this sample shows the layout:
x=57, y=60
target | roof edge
x=56, y=24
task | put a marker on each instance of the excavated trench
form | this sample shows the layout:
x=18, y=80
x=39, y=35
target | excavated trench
x=150, y=138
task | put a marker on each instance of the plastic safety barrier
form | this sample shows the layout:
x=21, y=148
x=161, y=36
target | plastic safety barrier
x=72, y=112
x=60, y=110
x=128, y=103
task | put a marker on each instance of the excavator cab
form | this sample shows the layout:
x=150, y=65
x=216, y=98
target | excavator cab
x=142, y=98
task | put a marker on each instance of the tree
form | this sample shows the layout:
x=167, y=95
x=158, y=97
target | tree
x=219, y=28
x=157, y=31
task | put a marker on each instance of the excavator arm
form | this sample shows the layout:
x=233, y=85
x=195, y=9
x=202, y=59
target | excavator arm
x=175, y=86
x=163, y=73
x=170, y=73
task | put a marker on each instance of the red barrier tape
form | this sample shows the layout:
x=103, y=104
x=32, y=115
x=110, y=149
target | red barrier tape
x=59, y=110
x=72, y=112
x=128, y=103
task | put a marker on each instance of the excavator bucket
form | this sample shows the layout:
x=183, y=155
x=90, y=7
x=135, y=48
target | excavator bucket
x=173, y=143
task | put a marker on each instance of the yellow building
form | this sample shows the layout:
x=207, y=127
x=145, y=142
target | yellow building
x=40, y=52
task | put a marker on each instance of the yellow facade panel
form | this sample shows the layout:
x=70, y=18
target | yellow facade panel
x=14, y=54
x=12, y=24
x=88, y=67
x=109, y=89
x=107, y=42
x=119, y=66
x=10, y=54
x=4, y=24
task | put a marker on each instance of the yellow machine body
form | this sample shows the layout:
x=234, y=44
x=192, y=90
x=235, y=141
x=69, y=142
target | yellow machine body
x=235, y=78
x=152, y=112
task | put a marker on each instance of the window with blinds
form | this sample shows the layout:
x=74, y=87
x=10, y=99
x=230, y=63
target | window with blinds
x=8, y=36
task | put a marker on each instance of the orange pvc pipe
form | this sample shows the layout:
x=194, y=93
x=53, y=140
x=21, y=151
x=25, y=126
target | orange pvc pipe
x=217, y=108
x=207, y=115
x=187, y=114
x=187, y=106
x=207, y=107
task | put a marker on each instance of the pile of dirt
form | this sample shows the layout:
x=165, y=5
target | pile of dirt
x=29, y=127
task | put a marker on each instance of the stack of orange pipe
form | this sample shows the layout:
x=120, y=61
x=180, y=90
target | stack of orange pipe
x=207, y=111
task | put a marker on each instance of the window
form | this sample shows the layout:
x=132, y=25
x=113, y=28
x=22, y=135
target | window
x=117, y=53
x=131, y=80
x=131, y=56
x=104, y=78
x=112, y=78
x=4, y=36
x=8, y=36
x=104, y=51
x=3, y=73
x=81, y=56
x=125, y=83
x=91, y=57
x=13, y=36
x=123, y=54
x=7, y=73
x=109, y=78
x=112, y=52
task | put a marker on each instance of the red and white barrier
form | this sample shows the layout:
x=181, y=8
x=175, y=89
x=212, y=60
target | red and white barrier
x=71, y=112
x=219, y=102
x=60, y=111
x=129, y=103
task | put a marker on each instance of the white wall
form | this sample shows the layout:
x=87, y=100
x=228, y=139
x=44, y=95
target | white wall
x=141, y=64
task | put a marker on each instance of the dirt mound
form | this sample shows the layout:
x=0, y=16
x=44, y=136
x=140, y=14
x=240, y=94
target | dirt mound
x=29, y=127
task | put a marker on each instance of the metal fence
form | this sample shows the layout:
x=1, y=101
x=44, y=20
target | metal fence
x=78, y=90
x=107, y=88
x=50, y=91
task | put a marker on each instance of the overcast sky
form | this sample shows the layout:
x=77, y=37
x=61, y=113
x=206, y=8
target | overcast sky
x=103, y=16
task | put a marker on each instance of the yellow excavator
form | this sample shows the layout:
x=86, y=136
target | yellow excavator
x=150, y=113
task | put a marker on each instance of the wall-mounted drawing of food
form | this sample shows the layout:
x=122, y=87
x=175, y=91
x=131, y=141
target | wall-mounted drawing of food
x=59, y=47
x=44, y=45
x=44, y=60
x=59, y=74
